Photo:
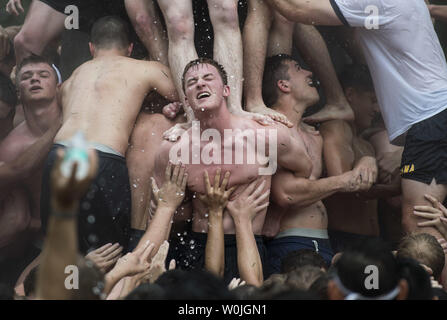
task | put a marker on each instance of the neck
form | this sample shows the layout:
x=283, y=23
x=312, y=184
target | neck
x=109, y=53
x=292, y=109
x=40, y=116
x=219, y=119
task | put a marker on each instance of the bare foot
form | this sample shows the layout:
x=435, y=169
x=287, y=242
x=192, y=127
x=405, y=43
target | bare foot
x=176, y=131
x=332, y=112
x=267, y=112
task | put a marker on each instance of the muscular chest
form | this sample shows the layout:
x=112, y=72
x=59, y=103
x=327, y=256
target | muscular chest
x=312, y=143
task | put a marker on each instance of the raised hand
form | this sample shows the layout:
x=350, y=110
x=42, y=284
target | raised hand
x=216, y=197
x=250, y=202
x=172, y=192
x=14, y=7
x=158, y=264
x=106, y=256
x=66, y=192
x=436, y=214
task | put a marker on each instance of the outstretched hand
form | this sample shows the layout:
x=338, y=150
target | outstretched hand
x=106, y=256
x=216, y=197
x=172, y=192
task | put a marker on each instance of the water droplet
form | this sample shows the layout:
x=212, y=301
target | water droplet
x=206, y=215
x=92, y=238
x=178, y=234
x=91, y=219
x=86, y=206
x=135, y=186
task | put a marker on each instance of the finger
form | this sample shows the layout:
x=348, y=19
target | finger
x=207, y=182
x=185, y=181
x=114, y=253
x=432, y=223
x=426, y=209
x=181, y=175
x=174, y=176
x=154, y=186
x=147, y=252
x=74, y=169
x=217, y=179
x=172, y=265
x=264, y=197
x=110, y=250
x=101, y=249
x=13, y=9
x=249, y=190
x=19, y=5
x=262, y=207
x=230, y=191
x=258, y=190
x=425, y=215
x=432, y=200
x=168, y=171
x=225, y=180
x=140, y=249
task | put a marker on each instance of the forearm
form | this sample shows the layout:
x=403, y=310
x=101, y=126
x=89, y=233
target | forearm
x=159, y=228
x=215, y=246
x=249, y=261
x=315, y=53
x=60, y=250
x=304, y=192
x=438, y=11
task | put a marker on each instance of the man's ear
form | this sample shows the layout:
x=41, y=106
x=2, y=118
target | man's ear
x=226, y=91
x=333, y=292
x=349, y=94
x=404, y=290
x=129, y=50
x=92, y=49
x=284, y=86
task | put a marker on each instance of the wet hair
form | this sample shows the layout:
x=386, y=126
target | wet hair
x=8, y=92
x=223, y=74
x=425, y=249
x=245, y=292
x=351, y=267
x=302, y=278
x=419, y=284
x=34, y=59
x=275, y=69
x=271, y=287
x=110, y=32
x=319, y=287
x=193, y=284
x=301, y=258
x=356, y=76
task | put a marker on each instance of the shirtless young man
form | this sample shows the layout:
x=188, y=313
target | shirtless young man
x=352, y=217
x=297, y=217
x=206, y=90
x=102, y=99
x=400, y=40
x=22, y=156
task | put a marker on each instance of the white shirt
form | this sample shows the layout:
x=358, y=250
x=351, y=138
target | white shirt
x=404, y=56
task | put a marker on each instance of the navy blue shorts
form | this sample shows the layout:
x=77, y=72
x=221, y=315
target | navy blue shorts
x=277, y=249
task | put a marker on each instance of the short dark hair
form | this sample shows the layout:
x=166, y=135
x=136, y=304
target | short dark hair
x=356, y=76
x=351, y=267
x=419, y=284
x=275, y=69
x=34, y=59
x=214, y=63
x=425, y=249
x=302, y=278
x=110, y=32
x=300, y=258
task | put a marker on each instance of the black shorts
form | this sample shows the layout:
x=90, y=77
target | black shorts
x=189, y=252
x=60, y=5
x=104, y=212
x=425, y=153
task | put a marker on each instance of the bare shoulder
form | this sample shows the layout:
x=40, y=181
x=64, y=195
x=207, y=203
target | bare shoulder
x=15, y=143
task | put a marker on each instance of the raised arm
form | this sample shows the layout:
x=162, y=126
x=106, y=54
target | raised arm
x=319, y=12
x=243, y=210
x=61, y=243
x=159, y=78
x=216, y=199
x=438, y=12
x=16, y=171
x=167, y=198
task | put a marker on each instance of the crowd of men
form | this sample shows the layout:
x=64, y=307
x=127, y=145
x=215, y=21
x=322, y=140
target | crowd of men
x=258, y=149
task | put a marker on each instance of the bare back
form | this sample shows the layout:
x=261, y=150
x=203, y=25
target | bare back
x=103, y=98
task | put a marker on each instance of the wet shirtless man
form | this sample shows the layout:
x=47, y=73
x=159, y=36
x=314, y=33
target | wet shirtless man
x=102, y=99
x=22, y=156
x=206, y=90
x=297, y=218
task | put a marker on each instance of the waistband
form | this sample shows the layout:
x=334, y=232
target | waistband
x=229, y=239
x=308, y=233
x=95, y=145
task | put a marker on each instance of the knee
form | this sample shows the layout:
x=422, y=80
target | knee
x=224, y=14
x=180, y=25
